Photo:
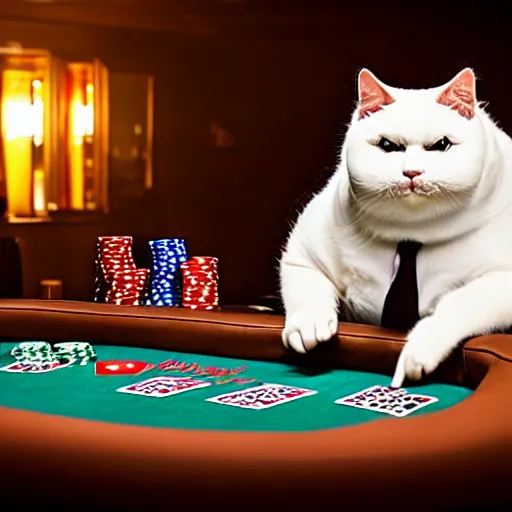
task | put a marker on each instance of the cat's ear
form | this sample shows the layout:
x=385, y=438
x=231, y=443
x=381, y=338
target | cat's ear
x=372, y=94
x=460, y=94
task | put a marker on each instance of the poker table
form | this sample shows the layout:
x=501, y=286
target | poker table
x=70, y=436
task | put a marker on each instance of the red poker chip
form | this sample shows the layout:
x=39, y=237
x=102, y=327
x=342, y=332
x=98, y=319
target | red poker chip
x=200, y=277
x=205, y=266
x=115, y=255
x=205, y=276
x=194, y=286
x=203, y=259
x=191, y=274
x=200, y=297
x=210, y=302
x=200, y=283
x=197, y=294
x=194, y=292
x=200, y=268
x=203, y=290
x=127, y=287
x=200, y=305
x=205, y=307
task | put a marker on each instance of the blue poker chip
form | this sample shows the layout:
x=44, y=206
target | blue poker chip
x=165, y=281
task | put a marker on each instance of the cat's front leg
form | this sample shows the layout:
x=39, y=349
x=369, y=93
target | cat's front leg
x=310, y=301
x=482, y=306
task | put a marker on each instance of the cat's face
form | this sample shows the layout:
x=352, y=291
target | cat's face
x=415, y=152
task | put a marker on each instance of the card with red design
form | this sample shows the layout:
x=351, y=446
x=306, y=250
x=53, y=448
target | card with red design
x=122, y=367
x=396, y=402
x=162, y=387
x=262, y=397
x=173, y=365
x=28, y=367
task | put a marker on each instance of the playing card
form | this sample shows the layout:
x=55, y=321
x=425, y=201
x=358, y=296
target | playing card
x=21, y=367
x=396, y=402
x=173, y=365
x=262, y=397
x=121, y=367
x=161, y=387
x=214, y=372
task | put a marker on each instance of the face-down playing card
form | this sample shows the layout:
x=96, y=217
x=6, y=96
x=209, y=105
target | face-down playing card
x=161, y=387
x=262, y=397
x=396, y=402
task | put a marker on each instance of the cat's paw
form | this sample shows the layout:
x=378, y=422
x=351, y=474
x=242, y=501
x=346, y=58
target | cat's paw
x=305, y=329
x=427, y=347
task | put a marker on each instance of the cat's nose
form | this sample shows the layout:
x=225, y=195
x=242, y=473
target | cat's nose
x=412, y=174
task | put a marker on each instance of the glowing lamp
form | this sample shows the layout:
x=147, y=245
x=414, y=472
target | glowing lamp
x=52, y=112
x=23, y=121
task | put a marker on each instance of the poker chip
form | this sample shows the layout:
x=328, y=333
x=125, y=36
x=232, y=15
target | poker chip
x=39, y=352
x=128, y=287
x=39, y=346
x=74, y=352
x=114, y=257
x=200, y=283
x=165, y=288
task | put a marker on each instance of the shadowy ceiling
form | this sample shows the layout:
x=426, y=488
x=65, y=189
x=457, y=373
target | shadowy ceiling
x=206, y=17
x=324, y=18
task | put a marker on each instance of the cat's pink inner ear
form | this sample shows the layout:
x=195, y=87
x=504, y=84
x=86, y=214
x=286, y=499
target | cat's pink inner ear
x=460, y=94
x=372, y=96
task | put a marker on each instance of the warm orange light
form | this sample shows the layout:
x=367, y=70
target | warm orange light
x=23, y=120
x=81, y=127
x=37, y=113
x=17, y=127
x=39, y=192
x=83, y=117
x=54, y=129
x=76, y=157
x=88, y=111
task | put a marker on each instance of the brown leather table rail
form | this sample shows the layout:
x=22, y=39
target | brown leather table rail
x=448, y=460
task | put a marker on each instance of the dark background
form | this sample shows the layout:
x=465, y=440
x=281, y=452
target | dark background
x=280, y=75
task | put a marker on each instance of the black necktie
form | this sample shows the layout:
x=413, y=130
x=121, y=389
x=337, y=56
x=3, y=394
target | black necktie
x=400, y=310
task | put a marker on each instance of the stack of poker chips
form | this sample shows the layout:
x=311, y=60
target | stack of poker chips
x=128, y=287
x=41, y=352
x=118, y=281
x=113, y=254
x=165, y=282
x=74, y=352
x=200, y=283
x=35, y=352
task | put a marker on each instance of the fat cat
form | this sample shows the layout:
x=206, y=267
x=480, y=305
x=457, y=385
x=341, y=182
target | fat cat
x=428, y=165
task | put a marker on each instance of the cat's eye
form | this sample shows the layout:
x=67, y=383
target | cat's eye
x=443, y=144
x=388, y=146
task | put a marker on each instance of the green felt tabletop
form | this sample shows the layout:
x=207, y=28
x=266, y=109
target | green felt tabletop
x=77, y=392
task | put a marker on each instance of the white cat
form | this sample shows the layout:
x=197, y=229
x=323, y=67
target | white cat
x=428, y=165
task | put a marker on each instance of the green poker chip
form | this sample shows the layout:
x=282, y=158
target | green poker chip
x=75, y=352
x=65, y=353
x=41, y=352
x=33, y=347
x=71, y=346
x=34, y=352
